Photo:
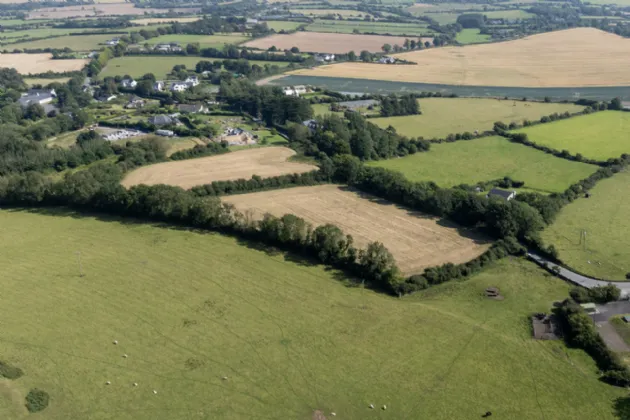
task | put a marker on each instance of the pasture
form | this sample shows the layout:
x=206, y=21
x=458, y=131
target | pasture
x=508, y=14
x=205, y=41
x=601, y=136
x=74, y=42
x=471, y=36
x=415, y=240
x=568, y=58
x=604, y=217
x=39, y=63
x=189, y=309
x=282, y=25
x=136, y=66
x=384, y=28
x=472, y=114
x=326, y=42
x=45, y=81
x=263, y=161
x=486, y=159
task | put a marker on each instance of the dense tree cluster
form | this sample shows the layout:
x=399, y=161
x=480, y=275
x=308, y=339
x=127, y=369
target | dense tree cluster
x=354, y=135
x=580, y=331
x=598, y=294
x=11, y=79
x=234, y=52
x=393, y=105
x=267, y=103
x=199, y=150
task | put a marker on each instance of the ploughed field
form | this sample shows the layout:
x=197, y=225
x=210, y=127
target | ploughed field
x=190, y=308
x=568, y=58
x=263, y=161
x=487, y=159
x=415, y=240
x=327, y=42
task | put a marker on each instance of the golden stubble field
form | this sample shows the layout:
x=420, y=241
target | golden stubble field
x=39, y=63
x=328, y=42
x=415, y=240
x=568, y=58
x=263, y=161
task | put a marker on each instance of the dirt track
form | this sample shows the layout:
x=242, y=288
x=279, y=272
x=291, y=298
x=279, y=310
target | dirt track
x=569, y=58
x=416, y=240
x=263, y=161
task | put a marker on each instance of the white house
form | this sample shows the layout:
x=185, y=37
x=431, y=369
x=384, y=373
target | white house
x=113, y=41
x=192, y=80
x=324, y=57
x=179, y=86
x=294, y=90
x=128, y=83
x=37, y=96
x=158, y=85
x=387, y=60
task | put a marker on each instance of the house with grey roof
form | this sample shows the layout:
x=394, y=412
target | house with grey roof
x=159, y=120
x=37, y=96
x=505, y=195
x=192, y=108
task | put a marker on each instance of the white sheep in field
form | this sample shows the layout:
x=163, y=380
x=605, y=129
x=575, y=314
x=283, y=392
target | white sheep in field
x=107, y=383
x=371, y=405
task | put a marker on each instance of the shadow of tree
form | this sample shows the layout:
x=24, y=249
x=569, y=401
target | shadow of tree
x=622, y=408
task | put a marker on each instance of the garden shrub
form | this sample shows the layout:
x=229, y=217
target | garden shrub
x=37, y=400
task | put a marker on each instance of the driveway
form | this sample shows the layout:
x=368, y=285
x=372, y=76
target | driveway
x=576, y=278
x=611, y=338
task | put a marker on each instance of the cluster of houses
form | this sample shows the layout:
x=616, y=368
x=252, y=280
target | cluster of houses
x=160, y=86
x=324, y=58
x=386, y=60
x=238, y=137
x=294, y=90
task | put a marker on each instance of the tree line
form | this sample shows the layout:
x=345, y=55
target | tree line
x=393, y=105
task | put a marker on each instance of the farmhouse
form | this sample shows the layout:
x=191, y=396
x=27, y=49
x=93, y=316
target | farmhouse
x=128, y=83
x=192, y=80
x=238, y=136
x=113, y=41
x=505, y=195
x=37, y=96
x=387, y=60
x=135, y=102
x=294, y=90
x=163, y=120
x=168, y=48
x=192, y=108
x=324, y=58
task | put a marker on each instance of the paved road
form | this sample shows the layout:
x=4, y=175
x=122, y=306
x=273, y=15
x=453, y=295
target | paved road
x=576, y=278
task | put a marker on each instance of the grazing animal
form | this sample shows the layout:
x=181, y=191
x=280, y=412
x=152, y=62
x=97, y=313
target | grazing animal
x=107, y=383
x=115, y=341
x=371, y=405
x=488, y=414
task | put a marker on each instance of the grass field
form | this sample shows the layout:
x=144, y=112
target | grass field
x=472, y=114
x=264, y=161
x=385, y=28
x=508, y=14
x=488, y=158
x=327, y=42
x=190, y=308
x=568, y=58
x=205, y=41
x=39, y=63
x=44, y=82
x=605, y=219
x=76, y=43
x=415, y=240
x=471, y=36
x=279, y=25
x=159, y=66
x=602, y=135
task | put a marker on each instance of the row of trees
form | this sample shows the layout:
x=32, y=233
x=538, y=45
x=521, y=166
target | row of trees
x=393, y=105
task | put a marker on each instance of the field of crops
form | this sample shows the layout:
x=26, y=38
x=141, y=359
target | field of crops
x=602, y=135
x=604, y=216
x=136, y=66
x=489, y=158
x=568, y=58
x=472, y=114
x=189, y=309
x=39, y=63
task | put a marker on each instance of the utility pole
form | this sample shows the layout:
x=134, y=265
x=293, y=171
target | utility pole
x=80, y=265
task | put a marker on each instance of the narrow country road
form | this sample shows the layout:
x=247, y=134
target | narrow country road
x=576, y=278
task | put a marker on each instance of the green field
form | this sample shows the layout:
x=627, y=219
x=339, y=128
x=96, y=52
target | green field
x=508, y=14
x=279, y=25
x=471, y=36
x=205, y=41
x=348, y=27
x=160, y=66
x=443, y=116
x=605, y=218
x=74, y=42
x=602, y=135
x=190, y=308
x=488, y=158
x=44, y=81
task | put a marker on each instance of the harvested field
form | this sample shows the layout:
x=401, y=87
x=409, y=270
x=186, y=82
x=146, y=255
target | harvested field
x=39, y=63
x=569, y=58
x=416, y=240
x=263, y=161
x=74, y=42
x=111, y=9
x=327, y=42
x=149, y=21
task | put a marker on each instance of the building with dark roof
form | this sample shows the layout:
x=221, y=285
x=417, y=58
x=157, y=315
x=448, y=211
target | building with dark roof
x=505, y=195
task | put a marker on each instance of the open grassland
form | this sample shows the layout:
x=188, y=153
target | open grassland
x=160, y=66
x=488, y=158
x=74, y=42
x=471, y=36
x=384, y=28
x=150, y=21
x=508, y=14
x=39, y=63
x=41, y=81
x=569, y=58
x=605, y=217
x=262, y=161
x=190, y=308
x=205, y=41
x=280, y=25
x=326, y=42
x=443, y=116
x=415, y=240
x=602, y=135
